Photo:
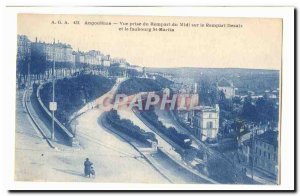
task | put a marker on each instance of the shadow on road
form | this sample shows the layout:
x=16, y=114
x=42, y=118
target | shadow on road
x=72, y=172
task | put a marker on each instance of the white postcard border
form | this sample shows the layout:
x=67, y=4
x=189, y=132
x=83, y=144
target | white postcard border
x=287, y=128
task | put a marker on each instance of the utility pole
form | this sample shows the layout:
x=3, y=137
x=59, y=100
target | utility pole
x=53, y=104
x=252, y=152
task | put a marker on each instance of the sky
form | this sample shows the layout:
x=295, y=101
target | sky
x=255, y=44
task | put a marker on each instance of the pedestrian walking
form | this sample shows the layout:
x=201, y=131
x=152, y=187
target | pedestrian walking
x=87, y=167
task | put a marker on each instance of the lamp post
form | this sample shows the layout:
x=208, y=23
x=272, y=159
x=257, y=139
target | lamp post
x=53, y=105
x=253, y=133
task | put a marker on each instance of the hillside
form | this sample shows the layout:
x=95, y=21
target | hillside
x=72, y=93
x=136, y=85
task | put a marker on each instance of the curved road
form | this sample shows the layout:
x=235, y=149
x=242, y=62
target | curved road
x=114, y=159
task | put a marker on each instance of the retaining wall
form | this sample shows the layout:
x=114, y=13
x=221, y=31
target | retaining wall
x=68, y=136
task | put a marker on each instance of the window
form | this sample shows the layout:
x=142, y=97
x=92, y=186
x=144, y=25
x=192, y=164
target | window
x=259, y=152
x=209, y=125
x=264, y=153
x=269, y=156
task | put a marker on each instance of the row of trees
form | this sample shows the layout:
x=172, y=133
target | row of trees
x=263, y=110
x=183, y=140
x=137, y=85
x=127, y=127
x=35, y=63
x=39, y=67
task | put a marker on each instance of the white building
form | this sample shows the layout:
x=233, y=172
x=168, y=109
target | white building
x=62, y=52
x=226, y=87
x=79, y=58
x=93, y=57
x=206, y=122
x=135, y=67
x=118, y=60
x=123, y=65
x=106, y=61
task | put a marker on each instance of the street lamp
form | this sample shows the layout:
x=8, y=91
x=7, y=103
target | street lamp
x=53, y=104
x=253, y=133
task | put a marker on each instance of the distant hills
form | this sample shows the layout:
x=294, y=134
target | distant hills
x=257, y=80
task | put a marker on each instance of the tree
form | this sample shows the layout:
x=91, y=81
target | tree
x=115, y=70
x=38, y=62
x=249, y=110
x=236, y=100
x=237, y=125
x=266, y=110
x=22, y=68
x=71, y=93
x=133, y=73
x=208, y=93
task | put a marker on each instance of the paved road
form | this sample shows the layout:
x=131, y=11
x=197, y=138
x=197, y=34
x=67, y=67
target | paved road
x=114, y=159
x=166, y=164
x=122, y=162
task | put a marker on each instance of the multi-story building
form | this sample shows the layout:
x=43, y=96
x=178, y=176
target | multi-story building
x=106, y=61
x=93, y=57
x=205, y=121
x=24, y=47
x=120, y=61
x=79, y=58
x=226, y=87
x=265, y=152
x=63, y=53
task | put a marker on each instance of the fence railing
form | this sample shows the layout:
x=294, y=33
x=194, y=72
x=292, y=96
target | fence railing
x=67, y=135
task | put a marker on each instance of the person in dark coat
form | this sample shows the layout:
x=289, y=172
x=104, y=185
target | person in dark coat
x=87, y=167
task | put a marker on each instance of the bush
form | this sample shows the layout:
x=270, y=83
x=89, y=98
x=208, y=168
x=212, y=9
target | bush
x=127, y=127
x=178, y=138
x=137, y=85
x=72, y=93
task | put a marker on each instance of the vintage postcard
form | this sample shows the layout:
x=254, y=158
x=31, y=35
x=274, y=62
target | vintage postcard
x=148, y=99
